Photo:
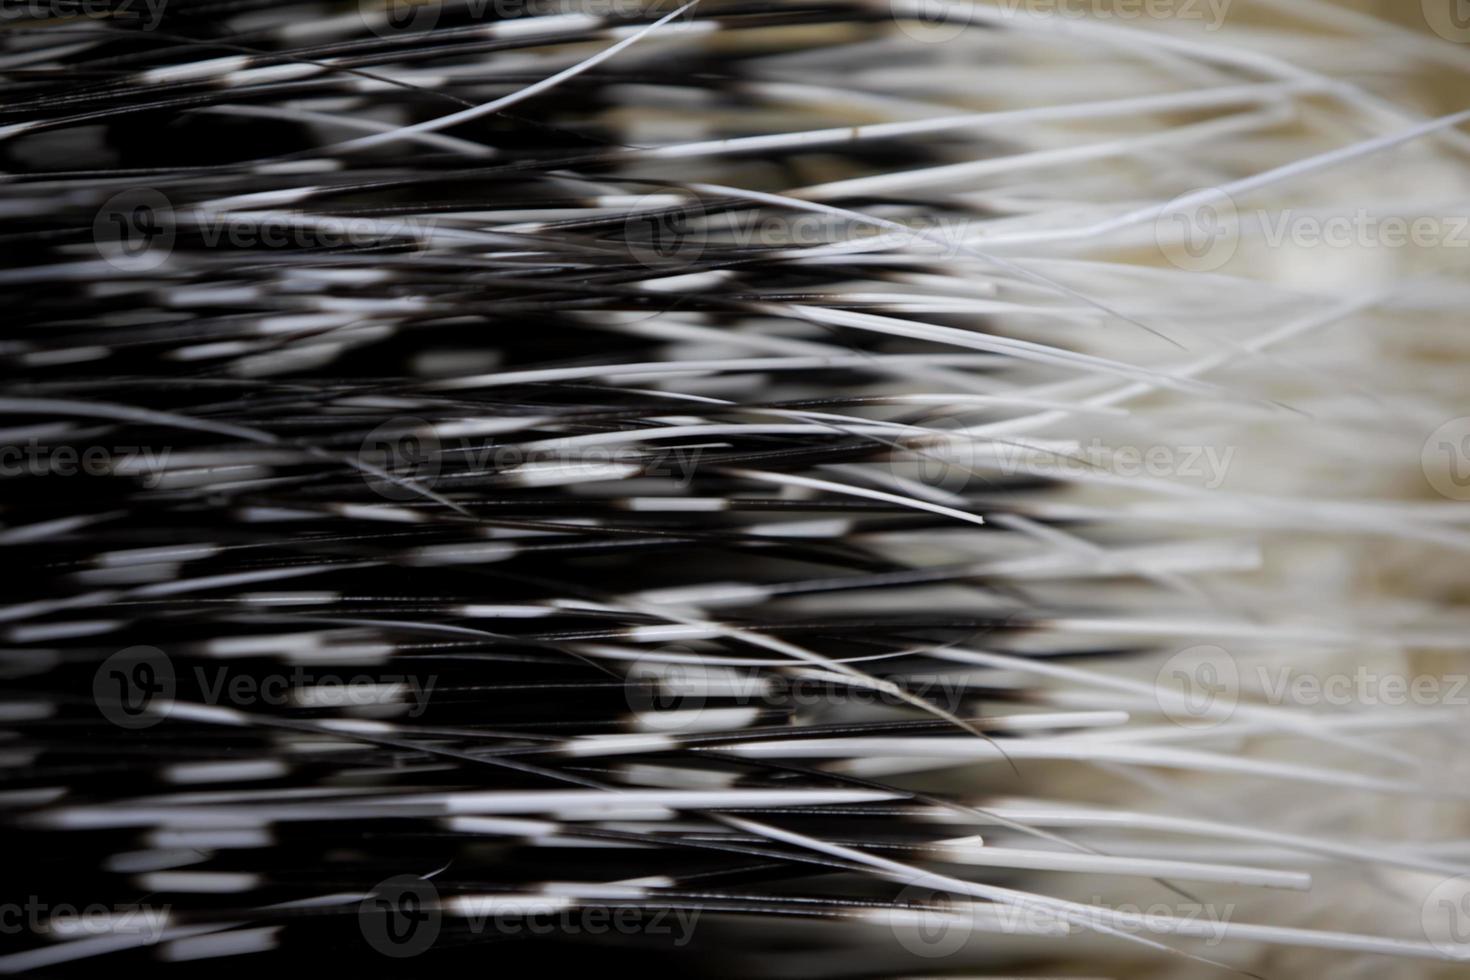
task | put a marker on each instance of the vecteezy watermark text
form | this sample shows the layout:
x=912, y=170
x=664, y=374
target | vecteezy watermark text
x=1201, y=231
x=667, y=695
x=405, y=456
x=387, y=18
x=954, y=459
x=404, y=916
x=146, y=14
x=137, y=230
x=938, y=21
x=931, y=923
x=1203, y=686
x=137, y=688
x=34, y=458
x=66, y=921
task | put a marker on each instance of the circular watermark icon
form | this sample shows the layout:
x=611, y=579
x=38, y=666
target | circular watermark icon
x=134, y=688
x=1445, y=917
x=666, y=232
x=931, y=21
x=1446, y=459
x=390, y=18
x=1198, y=687
x=134, y=230
x=405, y=454
x=401, y=917
x=930, y=923
x=949, y=458
x=670, y=697
x=1450, y=19
x=1198, y=231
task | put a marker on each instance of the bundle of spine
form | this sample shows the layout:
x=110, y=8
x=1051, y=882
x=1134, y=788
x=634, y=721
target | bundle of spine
x=829, y=488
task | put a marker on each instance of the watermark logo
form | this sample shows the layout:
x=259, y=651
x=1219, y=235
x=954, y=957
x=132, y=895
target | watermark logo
x=401, y=918
x=949, y=458
x=929, y=923
x=669, y=697
x=389, y=18
x=1445, y=917
x=134, y=230
x=1446, y=459
x=931, y=21
x=1198, y=231
x=134, y=688
x=1198, y=687
x=1450, y=19
x=406, y=456
x=666, y=232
